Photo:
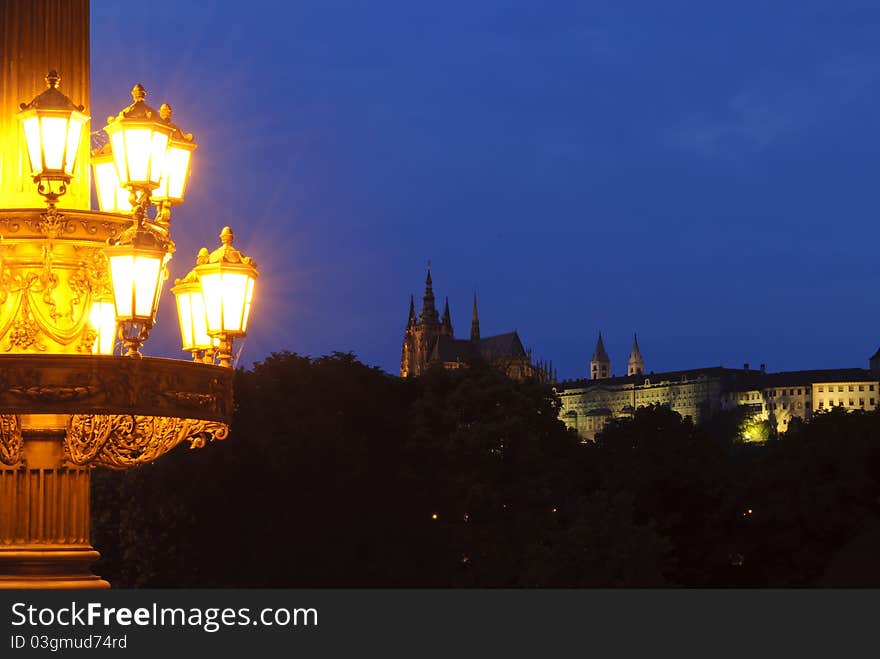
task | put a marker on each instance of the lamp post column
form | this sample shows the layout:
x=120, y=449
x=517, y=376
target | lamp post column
x=44, y=512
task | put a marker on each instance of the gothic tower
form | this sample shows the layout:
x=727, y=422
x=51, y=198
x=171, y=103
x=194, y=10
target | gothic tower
x=600, y=364
x=636, y=365
x=422, y=332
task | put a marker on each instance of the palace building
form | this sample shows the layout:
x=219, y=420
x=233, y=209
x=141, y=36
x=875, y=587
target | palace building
x=429, y=340
x=588, y=404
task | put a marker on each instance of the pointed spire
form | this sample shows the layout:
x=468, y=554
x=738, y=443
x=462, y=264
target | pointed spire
x=412, y=312
x=429, y=311
x=599, y=354
x=636, y=365
x=447, y=320
x=600, y=364
x=475, y=322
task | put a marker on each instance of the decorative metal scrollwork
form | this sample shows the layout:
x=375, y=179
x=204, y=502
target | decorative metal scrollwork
x=121, y=441
x=11, y=443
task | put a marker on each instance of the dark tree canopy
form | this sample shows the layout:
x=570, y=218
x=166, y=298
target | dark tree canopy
x=340, y=475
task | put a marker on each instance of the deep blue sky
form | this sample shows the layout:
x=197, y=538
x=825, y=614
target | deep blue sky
x=702, y=173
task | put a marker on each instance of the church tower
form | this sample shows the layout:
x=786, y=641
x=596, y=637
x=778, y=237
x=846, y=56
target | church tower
x=422, y=332
x=636, y=365
x=600, y=364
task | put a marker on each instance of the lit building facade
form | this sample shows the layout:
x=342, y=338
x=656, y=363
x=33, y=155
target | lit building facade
x=588, y=404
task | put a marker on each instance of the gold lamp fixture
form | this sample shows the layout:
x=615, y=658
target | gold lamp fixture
x=53, y=127
x=138, y=267
x=227, y=279
x=172, y=184
x=81, y=291
x=139, y=141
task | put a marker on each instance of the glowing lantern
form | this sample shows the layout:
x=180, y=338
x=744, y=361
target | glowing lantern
x=53, y=128
x=172, y=185
x=191, y=314
x=139, y=140
x=138, y=261
x=227, y=278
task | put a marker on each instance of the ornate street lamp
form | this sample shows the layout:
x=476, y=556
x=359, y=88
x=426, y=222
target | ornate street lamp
x=53, y=128
x=172, y=185
x=74, y=283
x=193, y=317
x=227, y=278
x=139, y=140
x=112, y=197
x=138, y=260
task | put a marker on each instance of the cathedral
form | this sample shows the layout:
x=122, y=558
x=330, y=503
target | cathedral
x=429, y=340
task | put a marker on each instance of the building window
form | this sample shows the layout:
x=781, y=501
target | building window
x=840, y=387
x=851, y=402
x=861, y=387
x=870, y=387
x=861, y=402
x=840, y=402
x=821, y=404
x=850, y=387
x=872, y=401
x=791, y=392
x=821, y=389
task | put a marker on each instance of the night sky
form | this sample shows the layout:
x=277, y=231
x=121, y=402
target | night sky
x=702, y=173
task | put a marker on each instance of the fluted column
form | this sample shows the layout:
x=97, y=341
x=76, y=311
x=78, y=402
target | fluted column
x=44, y=514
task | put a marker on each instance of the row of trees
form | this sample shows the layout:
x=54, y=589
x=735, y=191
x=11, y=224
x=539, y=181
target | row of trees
x=339, y=475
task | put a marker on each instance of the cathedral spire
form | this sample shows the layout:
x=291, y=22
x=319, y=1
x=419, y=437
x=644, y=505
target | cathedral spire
x=447, y=320
x=412, y=312
x=600, y=364
x=475, y=322
x=636, y=365
x=429, y=311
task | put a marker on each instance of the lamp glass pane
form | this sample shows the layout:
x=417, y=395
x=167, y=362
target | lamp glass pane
x=111, y=197
x=136, y=284
x=199, y=321
x=193, y=329
x=103, y=320
x=117, y=139
x=122, y=275
x=247, y=304
x=138, y=149
x=185, y=316
x=159, y=148
x=147, y=273
x=212, y=290
x=176, y=168
x=234, y=299
x=54, y=141
x=32, y=137
x=74, y=134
